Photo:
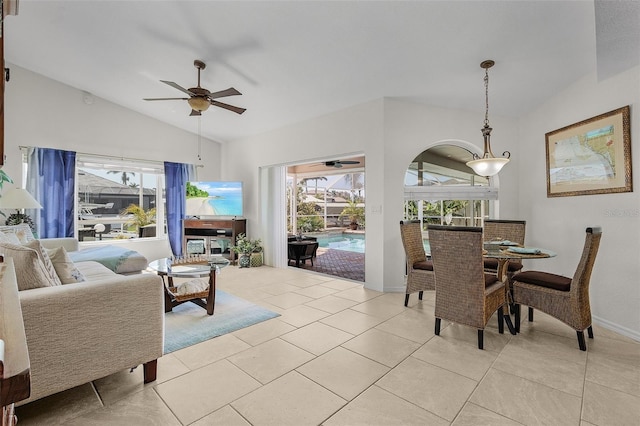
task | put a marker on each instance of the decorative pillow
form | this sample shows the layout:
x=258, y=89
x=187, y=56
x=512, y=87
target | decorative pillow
x=22, y=231
x=30, y=269
x=46, y=260
x=9, y=237
x=64, y=266
x=194, y=286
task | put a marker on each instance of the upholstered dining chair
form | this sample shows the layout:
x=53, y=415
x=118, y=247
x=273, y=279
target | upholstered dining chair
x=419, y=268
x=564, y=298
x=512, y=230
x=465, y=294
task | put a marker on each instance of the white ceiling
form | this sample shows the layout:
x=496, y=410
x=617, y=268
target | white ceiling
x=297, y=60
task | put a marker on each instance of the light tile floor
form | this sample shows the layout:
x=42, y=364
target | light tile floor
x=340, y=354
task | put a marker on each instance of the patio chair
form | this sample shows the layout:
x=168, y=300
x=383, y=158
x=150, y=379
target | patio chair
x=564, y=298
x=419, y=270
x=465, y=294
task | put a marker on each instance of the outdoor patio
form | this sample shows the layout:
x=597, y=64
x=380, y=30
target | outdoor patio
x=339, y=263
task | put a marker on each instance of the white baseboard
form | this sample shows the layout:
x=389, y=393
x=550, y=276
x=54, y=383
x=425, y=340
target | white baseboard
x=633, y=334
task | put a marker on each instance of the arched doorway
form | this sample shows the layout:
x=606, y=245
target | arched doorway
x=440, y=188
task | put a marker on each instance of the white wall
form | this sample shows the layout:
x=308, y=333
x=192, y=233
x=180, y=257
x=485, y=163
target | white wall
x=390, y=133
x=353, y=130
x=410, y=129
x=559, y=223
x=45, y=113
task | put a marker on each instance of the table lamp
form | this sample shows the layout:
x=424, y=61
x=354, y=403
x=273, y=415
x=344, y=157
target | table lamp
x=19, y=199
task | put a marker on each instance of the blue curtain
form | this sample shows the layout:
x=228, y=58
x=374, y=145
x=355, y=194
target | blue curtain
x=176, y=176
x=51, y=180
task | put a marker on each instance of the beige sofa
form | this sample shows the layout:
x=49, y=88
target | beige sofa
x=80, y=332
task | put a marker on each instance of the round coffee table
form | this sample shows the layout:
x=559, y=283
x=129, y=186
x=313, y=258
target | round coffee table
x=208, y=266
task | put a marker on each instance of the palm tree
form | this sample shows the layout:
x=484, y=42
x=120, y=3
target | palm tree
x=305, y=180
x=125, y=175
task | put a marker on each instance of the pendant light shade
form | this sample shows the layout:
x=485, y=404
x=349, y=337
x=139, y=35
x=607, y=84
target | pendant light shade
x=488, y=164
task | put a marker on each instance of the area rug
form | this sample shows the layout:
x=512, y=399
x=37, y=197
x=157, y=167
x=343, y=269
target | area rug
x=188, y=324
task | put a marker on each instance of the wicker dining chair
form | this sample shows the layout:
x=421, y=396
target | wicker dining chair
x=419, y=269
x=564, y=298
x=465, y=294
x=512, y=230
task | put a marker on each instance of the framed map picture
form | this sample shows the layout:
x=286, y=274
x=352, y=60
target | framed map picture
x=590, y=157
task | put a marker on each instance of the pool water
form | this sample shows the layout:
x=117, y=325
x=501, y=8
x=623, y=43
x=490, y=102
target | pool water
x=346, y=242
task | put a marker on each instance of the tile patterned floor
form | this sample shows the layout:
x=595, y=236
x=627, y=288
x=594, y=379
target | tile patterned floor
x=338, y=263
x=343, y=355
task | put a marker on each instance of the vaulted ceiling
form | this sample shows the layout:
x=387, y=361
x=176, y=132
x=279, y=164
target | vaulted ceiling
x=294, y=60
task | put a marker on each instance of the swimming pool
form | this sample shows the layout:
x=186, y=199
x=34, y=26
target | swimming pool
x=346, y=242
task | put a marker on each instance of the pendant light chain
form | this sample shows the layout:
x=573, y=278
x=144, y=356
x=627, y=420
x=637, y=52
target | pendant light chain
x=486, y=96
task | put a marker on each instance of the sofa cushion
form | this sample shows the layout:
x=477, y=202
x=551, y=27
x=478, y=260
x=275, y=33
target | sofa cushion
x=22, y=231
x=94, y=271
x=31, y=271
x=64, y=266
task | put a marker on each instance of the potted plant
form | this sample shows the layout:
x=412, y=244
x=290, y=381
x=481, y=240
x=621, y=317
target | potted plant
x=354, y=213
x=243, y=247
x=139, y=216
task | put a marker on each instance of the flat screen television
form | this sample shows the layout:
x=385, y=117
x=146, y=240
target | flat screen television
x=208, y=199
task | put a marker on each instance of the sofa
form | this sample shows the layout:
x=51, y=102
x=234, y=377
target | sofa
x=82, y=331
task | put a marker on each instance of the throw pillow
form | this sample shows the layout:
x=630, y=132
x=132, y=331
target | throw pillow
x=22, y=231
x=9, y=237
x=30, y=269
x=46, y=260
x=64, y=266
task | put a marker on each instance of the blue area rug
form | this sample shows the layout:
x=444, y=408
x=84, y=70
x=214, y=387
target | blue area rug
x=189, y=324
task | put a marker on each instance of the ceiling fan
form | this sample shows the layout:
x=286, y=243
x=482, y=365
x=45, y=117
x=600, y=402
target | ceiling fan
x=338, y=163
x=200, y=98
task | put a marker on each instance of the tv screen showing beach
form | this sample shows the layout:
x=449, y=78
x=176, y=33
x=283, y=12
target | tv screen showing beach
x=214, y=199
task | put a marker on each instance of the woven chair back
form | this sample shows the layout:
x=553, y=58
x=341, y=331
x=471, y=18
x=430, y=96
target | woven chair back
x=411, y=234
x=582, y=276
x=459, y=274
x=512, y=230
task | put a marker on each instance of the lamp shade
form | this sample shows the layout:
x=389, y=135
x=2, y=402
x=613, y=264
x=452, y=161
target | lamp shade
x=487, y=166
x=18, y=198
x=198, y=103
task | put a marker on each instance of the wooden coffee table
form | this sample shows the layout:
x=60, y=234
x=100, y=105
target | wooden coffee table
x=203, y=268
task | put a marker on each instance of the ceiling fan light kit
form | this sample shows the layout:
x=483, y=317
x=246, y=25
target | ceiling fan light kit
x=488, y=164
x=200, y=98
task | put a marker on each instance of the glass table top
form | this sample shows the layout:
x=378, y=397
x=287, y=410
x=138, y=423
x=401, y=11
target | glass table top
x=199, y=267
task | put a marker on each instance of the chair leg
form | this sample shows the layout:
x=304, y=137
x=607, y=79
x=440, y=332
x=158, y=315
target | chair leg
x=480, y=339
x=581, y=343
x=437, y=331
x=530, y=314
x=500, y=320
x=517, y=317
x=406, y=299
x=420, y=295
x=590, y=332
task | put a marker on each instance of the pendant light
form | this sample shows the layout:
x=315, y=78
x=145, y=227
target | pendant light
x=488, y=164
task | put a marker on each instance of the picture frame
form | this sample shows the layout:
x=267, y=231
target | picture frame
x=590, y=157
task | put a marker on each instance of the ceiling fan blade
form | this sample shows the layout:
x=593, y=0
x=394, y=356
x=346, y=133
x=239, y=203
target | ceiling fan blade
x=195, y=113
x=349, y=162
x=222, y=93
x=165, y=99
x=235, y=109
x=177, y=86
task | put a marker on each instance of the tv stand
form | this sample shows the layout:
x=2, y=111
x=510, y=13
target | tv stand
x=212, y=236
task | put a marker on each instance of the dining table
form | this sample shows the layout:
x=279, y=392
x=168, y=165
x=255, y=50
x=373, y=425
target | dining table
x=504, y=251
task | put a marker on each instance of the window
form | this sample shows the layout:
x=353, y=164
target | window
x=441, y=189
x=119, y=199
